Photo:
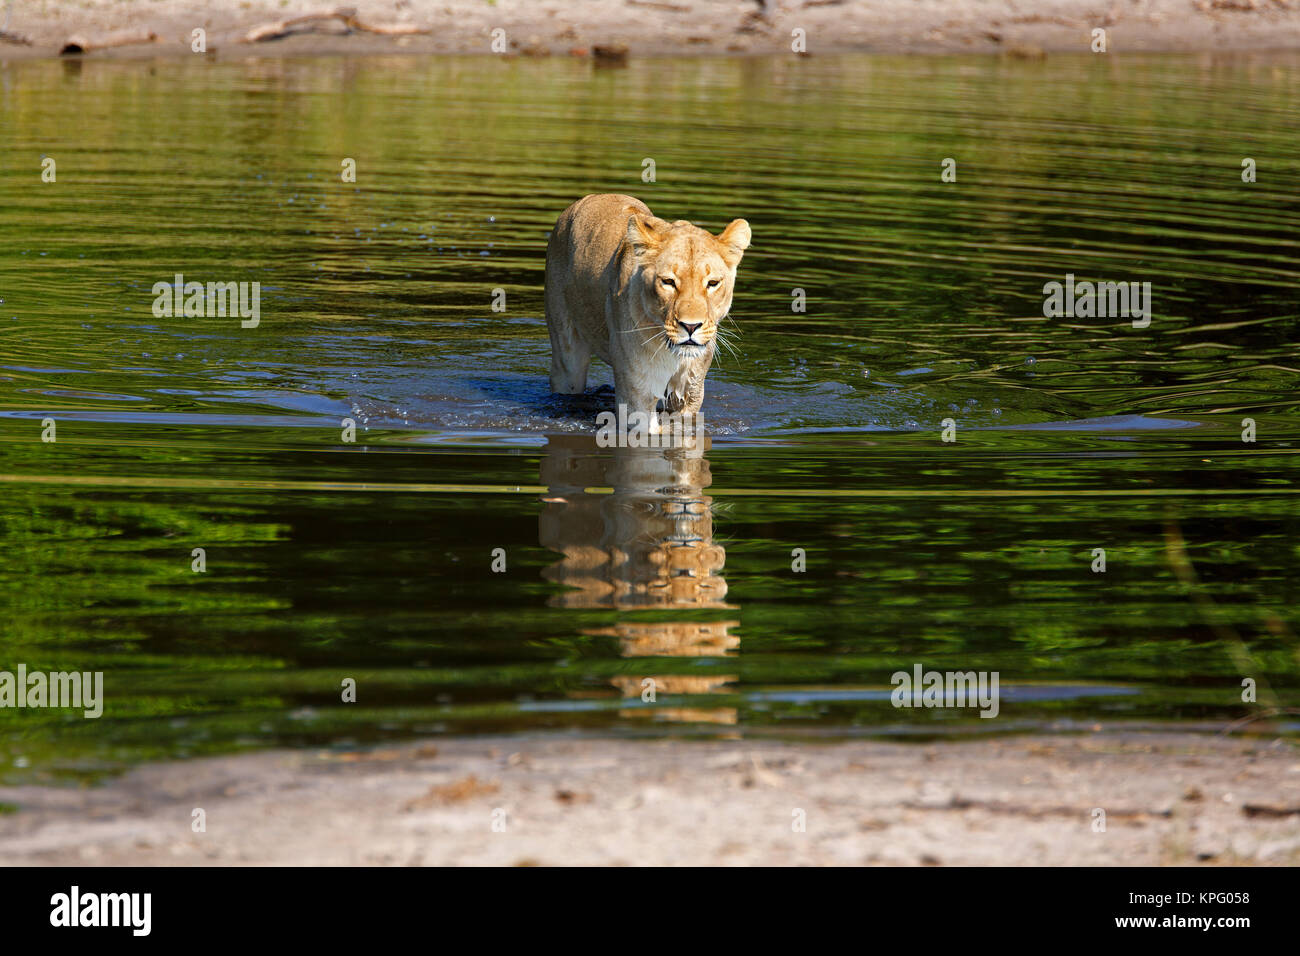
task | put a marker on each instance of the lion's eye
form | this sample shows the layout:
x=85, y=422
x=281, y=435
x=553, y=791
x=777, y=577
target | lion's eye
x=713, y=283
x=671, y=283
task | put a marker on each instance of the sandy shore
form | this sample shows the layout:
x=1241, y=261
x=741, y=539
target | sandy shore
x=1169, y=799
x=649, y=27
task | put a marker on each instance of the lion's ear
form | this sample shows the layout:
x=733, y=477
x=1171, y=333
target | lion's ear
x=643, y=235
x=735, y=238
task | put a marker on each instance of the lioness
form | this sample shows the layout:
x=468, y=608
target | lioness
x=644, y=294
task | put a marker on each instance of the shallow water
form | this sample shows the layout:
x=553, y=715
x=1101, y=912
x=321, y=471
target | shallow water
x=372, y=560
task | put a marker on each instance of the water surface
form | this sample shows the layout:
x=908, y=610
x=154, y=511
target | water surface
x=372, y=560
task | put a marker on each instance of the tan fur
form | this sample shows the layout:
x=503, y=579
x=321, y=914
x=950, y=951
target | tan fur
x=648, y=545
x=628, y=287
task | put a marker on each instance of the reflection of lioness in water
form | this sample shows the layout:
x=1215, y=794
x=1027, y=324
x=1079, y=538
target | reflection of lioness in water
x=643, y=294
x=648, y=545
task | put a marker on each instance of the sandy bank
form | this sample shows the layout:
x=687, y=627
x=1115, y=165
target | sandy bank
x=651, y=27
x=1169, y=799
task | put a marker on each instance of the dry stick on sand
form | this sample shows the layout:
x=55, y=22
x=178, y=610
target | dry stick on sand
x=80, y=44
x=346, y=15
x=660, y=5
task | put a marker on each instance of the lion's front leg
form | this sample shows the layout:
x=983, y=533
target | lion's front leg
x=694, y=397
x=635, y=396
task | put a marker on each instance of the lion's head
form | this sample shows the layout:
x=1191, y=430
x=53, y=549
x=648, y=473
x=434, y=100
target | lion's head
x=687, y=277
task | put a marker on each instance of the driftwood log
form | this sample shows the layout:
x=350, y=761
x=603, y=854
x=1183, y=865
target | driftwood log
x=345, y=15
x=81, y=44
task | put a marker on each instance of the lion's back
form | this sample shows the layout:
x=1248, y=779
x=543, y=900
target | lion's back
x=581, y=254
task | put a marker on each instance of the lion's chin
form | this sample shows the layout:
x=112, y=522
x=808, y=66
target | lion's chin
x=687, y=352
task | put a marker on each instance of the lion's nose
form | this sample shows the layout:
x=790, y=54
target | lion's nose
x=689, y=328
